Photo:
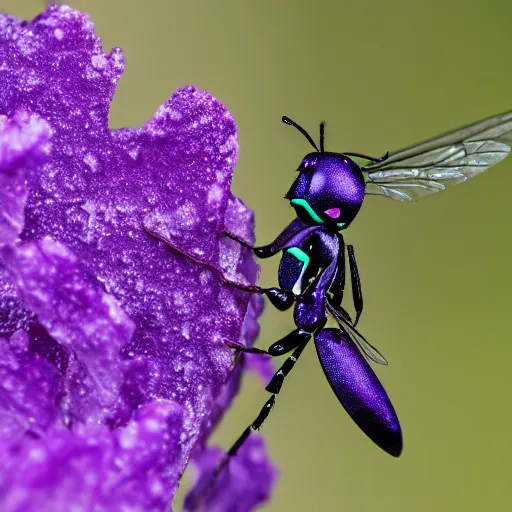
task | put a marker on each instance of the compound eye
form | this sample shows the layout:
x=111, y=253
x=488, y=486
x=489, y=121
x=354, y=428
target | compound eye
x=334, y=213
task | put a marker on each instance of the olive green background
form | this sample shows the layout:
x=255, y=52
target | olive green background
x=436, y=275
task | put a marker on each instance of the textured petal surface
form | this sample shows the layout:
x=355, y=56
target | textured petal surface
x=359, y=390
x=118, y=287
x=87, y=322
x=94, y=468
x=23, y=143
x=23, y=140
x=245, y=484
x=29, y=387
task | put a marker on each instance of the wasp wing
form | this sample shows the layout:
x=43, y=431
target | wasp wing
x=447, y=160
x=341, y=316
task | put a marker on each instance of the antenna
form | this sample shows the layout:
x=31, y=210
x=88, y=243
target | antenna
x=287, y=120
x=322, y=130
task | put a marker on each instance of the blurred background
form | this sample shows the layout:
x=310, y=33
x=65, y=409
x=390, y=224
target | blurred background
x=435, y=274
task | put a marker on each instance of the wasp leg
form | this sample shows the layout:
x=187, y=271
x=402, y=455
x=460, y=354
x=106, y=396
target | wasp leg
x=283, y=346
x=251, y=288
x=289, y=342
x=260, y=252
x=243, y=243
x=243, y=349
x=356, y=284
x=274, y=386
x=269, y=404
x=255, y=425
x=279, y=298
x=292, y=235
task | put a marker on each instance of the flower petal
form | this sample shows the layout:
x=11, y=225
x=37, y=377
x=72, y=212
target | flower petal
x=244, y=484
x=121, y=259
x=93, y=468
x=28, y=390
x=23, y=140
x=22, y=144
x=89, y=323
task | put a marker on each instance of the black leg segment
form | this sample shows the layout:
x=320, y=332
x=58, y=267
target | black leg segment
x=255, y=425
x=283, y=346
x=239, y=442
x=274, y=386
x=246, y=350
x=260, y=252
x=356, y=283
x=238, y=240
x=289, y=342
x=279, y=298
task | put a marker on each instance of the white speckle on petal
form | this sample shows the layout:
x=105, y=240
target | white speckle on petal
x=99, y=61
x=128, y=437
x=215, y=194
x=37, y=454
x=91, y=161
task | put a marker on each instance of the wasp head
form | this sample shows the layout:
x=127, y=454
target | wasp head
x=329, y=190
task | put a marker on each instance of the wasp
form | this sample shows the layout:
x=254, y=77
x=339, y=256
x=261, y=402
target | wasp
x=327, y=195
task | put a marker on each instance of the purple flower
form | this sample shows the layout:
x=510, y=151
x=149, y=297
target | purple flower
x=118, y=288
x=243, y=485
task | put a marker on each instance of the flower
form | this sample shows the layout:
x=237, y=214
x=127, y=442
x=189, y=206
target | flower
x=243, y=485
x=118, y=288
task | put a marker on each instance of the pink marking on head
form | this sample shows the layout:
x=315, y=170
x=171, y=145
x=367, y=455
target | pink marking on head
x=334, y=213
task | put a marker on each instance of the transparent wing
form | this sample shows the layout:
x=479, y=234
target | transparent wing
x=452, y=158
x=366, y=348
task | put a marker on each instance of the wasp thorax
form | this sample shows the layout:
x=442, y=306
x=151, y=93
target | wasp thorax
x=329, y=190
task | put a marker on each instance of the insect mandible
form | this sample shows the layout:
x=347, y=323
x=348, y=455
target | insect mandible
x=327, y=195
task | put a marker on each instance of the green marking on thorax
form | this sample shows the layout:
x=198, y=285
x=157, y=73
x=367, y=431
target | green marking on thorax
x=300, y=255
x=305, y=205
x=304, y=258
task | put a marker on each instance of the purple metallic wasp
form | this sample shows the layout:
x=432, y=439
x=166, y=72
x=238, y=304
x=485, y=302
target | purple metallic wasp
x=327, y=195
